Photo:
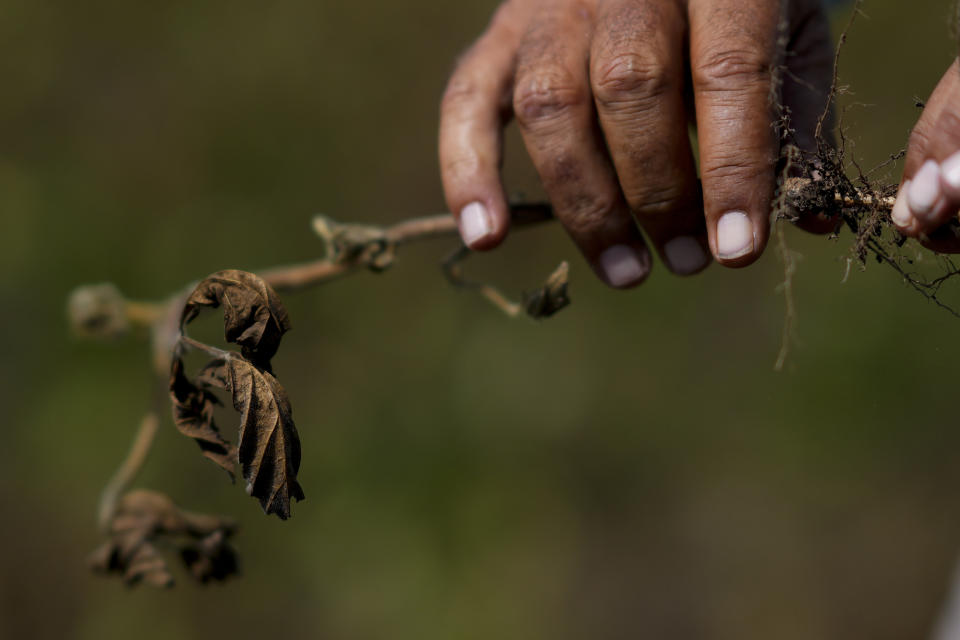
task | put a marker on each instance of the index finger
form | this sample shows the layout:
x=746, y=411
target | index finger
x=474, y=110
x=733, y=47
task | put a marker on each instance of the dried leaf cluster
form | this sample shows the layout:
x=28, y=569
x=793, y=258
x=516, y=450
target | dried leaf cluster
x=268, y=449
x=140, y=524
x=146, y=523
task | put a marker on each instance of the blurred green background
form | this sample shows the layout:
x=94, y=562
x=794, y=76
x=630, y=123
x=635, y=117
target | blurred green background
x=632, y=468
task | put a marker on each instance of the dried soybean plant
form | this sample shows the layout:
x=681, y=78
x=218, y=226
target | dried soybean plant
x=139, y=526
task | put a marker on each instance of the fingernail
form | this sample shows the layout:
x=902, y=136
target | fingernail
x=900, y=214
x=925, y=189
x=950, y=170
x=623, y=265
x=685, y=255
x=734, y=235
x=474, y=223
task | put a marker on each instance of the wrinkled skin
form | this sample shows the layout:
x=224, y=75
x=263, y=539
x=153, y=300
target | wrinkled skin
x=605, y=91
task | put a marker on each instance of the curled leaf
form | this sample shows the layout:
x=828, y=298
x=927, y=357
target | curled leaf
x=212, y=558
x=193, y=414
x=551, y=297
x=269, y=446
x=253, y=315
x=147, y=521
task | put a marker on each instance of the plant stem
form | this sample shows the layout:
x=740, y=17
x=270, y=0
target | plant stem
x=799, y=190
x=298, y=276
x=127, y=471
x=142, y=314
x=287, y=278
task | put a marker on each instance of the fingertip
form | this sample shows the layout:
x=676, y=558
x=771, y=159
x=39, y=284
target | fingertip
x=921, y=206
x=624, y=266
x=738, y=239
x=900, y=215
x=483, y=225
x=925, y=192
x=686, y=255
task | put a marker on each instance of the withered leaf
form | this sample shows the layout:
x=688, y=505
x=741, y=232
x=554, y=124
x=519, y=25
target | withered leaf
x=551, y=297
x=269, y=446
x=193, y=414
x=253, y=315
x=212, y=558
x=145, y=522
x=134, y=558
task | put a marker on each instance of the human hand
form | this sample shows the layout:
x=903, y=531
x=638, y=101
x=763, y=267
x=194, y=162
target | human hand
x=604, y=91
x=930, y=192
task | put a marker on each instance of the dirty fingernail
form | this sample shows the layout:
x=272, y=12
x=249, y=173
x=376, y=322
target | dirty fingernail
x=685, y=255
x=474, y=223
x=734, y=235
x=900, y=214
x=623, y=266
x=925, y=189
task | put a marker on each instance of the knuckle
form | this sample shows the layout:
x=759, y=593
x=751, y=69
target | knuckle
x=586, y=213
x=461, y=164
x=921, y=141
x=731, y=70
x=630, y=77
x=936, y=136
x=458, y=93
x=948, y=126
x=582, y=206
x=546, y=95
x=589, y=214
x=734, y=170
x=658, y=202
x=949, y=119
x=563, y=168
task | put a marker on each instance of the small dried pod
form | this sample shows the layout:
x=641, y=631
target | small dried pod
x=98, y=311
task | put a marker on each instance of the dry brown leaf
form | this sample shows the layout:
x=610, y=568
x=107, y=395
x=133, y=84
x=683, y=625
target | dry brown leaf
x=551, y=297
x=212, y=558
x=145, y=522
x=269, y=446
x=253, y=316
x=193, y=414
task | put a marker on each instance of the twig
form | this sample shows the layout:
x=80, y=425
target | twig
x=127, y=471
x=825, y=116
x=143, y=314
x=351, y=247
x=454, y=272
x=801, y=195
x=205, y=348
